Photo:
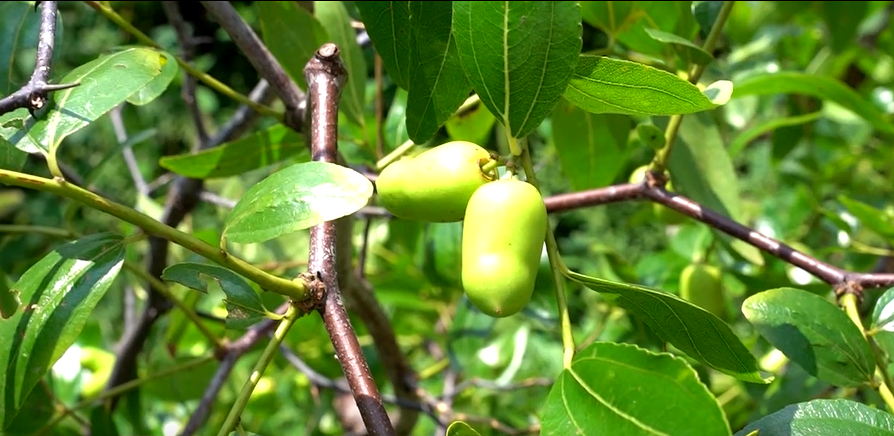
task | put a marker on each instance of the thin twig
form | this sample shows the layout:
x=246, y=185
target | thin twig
x=325, y=75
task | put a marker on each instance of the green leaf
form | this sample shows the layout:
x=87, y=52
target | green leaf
x=292, y=35
x=36, y=412
x=612, y=17
x=101, y=422
x=826, y=88
x=295, y=198
x=19, y=26
x=702, y=170
x=58, y=293
x=104, y=83
x=591, y=147
x=335, y=19
x=671, y=17
x=460, y=428
x=11, y=158
x=259, y=150
x=615, y=86
x=244, y=306
x=621, y=389
x=388, y=26
x=690, y=328
x=824, y=417
x=396, y=121
x=159, y=84
x=843, y=20
x=475, y=125
x=685, y=48
x=438, y=85
x=813, y=333
x=882, y=330
x=10, y=299
x=768, y=126
x=518, y=56
x=874, y=219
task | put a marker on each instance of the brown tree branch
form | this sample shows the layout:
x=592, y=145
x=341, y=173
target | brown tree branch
x=263, y=61
x=34, y=94
x=325, y=75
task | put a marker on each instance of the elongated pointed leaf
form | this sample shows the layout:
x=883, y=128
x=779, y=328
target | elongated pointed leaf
x=702, y=170
x=58, y=294
x=459, y=428
x=518, y=56
x=388, y=26
x=813, y=333
x=767, y=126
x=292, y=34
x=267, y=147
x=295, y=198
x=872, y=218
x=824, y=417
x=690, y=328
x=335, y=19
x=826, y=88
x=396, y=121
x=104, y=83
x=438, y=84
x=244, y=306
x=591, y=147
x=626, y=390
x=615, y=86
x=19, y=25
x=882, y=328
x=686, y=48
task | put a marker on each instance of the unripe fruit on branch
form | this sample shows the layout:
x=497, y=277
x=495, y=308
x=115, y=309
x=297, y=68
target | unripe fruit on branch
x=700, y=284
x=436, y=185
x=503, y=233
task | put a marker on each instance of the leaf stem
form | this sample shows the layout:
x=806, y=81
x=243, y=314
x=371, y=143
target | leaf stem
x=232, y=419
x=555, y=261
x=165, y=290
x=659, y=164
x=297, y=290
x=107, y=11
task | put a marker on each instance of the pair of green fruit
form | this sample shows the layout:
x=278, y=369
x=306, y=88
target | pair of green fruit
x=504, y=221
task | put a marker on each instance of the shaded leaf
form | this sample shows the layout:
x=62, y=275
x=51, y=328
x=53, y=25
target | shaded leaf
x=19, y=26
x=295, y=198
x=187, y=384
x=705, y=13
x=388, y=26
x=690, y=328
x=474, y=125
x=692, y=52
x=335, y=19
x=159, y=84
x=813, y=333
x=767, y=126
x=10, y=299
x=438, y=85
x=244, y=306
x=104, y=83
x=276, y=144
x=606, y=85
x=843, y=20
x=11, y=158
x=826, y=88
x=396, y=121
x=874, y=219
x=460, y=428
x=882, y=327
x=518, y=56
x=292, y=35
x=591, y=147
x=701, y=169
x=824, y=417
x=58, y=293
x=599, y=395
x=101, y=422
x=36, y=412
x=612, y=17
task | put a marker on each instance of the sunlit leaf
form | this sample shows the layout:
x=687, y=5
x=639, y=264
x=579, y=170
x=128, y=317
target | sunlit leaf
x=874, y=219
x=19, y=25
x=58, y=293
x=335, y=19
x=685, y=47
x=459, y=428
x=388, y=25
x=273, y=145
x=475, y=125
x=518, y=56
x=824, y=417
x=601, y=394
x=104, y=83
x=814, y=333
x=690, y=328
x=292, y=35
x=882, y=328
x=159, y=84
x=746, y=136
x=295, y=198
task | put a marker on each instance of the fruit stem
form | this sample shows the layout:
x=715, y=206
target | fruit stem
x=555, y=262
x=489, y=168
x=395, y=154
x=292, y=314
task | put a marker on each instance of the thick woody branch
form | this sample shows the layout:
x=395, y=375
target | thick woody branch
x=35, y=93
x=325, y=75
x=263, y=61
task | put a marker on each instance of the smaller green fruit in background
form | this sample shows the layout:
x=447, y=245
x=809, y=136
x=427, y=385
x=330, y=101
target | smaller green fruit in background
x=100, y=362
x=662, y=213
x=700, y=284
x=436, y=185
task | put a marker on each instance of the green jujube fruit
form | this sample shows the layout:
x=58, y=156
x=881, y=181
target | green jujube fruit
x=436, y=185
x=503, y=233
x=700, y=284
